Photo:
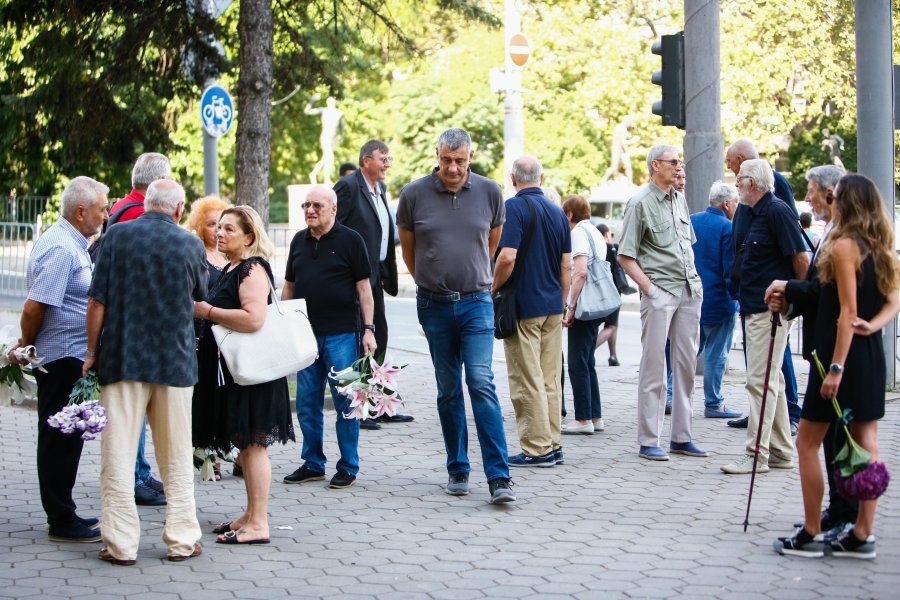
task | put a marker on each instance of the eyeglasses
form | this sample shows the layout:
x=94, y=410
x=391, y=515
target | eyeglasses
x=739, y=177
x=316, y=206
x=672, y=161
x=385, y=160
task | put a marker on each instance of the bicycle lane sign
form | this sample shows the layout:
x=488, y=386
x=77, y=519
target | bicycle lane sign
x=216, y=111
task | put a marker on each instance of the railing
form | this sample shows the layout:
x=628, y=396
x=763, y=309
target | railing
x=281, y=235
x=22, y=209
x=16, y=240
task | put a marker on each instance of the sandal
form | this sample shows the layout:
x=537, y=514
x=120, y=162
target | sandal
x=223, y=527
x=232, y=538
x=217, y=471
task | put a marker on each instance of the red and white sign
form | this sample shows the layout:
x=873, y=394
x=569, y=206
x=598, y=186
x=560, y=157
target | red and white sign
x=519, y=49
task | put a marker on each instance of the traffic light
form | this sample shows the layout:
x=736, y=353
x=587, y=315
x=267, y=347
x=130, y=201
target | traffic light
x=671, y=79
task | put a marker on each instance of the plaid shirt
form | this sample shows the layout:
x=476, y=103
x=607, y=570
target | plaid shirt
x=59, y=275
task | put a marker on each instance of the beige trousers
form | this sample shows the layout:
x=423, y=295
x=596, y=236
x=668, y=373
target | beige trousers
x=776, y=429
x=676, y=318
x=533, y=366
x=168, y=410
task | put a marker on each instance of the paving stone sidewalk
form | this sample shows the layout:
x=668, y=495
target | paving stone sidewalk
x=604, y=525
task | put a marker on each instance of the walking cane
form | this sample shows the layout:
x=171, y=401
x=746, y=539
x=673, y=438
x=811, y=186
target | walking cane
x=776, y=323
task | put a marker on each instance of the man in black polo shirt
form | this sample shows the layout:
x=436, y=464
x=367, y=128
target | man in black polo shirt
x=328, y=266
x=773, y=248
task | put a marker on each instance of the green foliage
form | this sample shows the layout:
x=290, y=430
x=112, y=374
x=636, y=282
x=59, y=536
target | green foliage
x=807, y=151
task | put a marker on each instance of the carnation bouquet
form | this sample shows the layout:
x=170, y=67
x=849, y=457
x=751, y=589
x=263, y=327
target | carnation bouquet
x=83, y=414
x=856, y=476
x=14, y=373
x=370, y=387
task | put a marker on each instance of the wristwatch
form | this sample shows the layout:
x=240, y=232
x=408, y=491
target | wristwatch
x=836, y=368
x=370, y=327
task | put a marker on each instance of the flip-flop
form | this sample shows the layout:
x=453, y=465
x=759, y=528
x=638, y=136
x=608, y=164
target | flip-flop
x=232, y=538
x=223, y=527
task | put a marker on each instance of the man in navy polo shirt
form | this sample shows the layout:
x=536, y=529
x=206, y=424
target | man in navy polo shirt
x=328, y=266
x=773, y=249
x=532, y=354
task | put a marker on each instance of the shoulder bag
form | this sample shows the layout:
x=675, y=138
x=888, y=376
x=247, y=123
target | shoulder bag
x=284, y=345
x=599, y=297
x=506, y=322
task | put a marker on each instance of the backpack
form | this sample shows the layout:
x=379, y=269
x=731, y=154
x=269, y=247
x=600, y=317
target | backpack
x=94, y=248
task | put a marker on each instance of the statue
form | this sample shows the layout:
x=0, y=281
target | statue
x=834, y=145
x=332, y=121
x=620, y=155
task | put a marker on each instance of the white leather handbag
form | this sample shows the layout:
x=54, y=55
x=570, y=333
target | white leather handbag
x=284, y=345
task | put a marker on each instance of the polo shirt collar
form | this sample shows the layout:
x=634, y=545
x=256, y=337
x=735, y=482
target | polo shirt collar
x=76, y=235
x=763, y=204
x=530, y=191
x=715, y=211
x=155, y=215
x=439, y=185
x=328, y=235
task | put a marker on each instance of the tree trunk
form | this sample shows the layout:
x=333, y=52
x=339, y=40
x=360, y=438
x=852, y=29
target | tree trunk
x=254, y=106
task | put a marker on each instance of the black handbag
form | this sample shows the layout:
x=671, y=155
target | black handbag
x=506, y=323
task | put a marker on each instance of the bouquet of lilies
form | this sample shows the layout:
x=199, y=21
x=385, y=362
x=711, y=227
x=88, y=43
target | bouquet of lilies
x=370, y=387
x=14, y=373
x=856, y=476
x=83, y=414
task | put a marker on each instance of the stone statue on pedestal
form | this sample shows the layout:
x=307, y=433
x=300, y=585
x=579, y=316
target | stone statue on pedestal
x=332, y=122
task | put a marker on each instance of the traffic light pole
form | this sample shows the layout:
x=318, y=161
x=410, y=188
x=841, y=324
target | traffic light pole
x=704, y=152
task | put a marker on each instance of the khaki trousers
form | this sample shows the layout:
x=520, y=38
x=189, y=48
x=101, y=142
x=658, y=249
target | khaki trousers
x=776, y=429
x=676, y=318
x=168, y=410
x=533, y=366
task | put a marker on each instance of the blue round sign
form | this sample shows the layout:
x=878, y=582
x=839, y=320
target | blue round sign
x=216, y=110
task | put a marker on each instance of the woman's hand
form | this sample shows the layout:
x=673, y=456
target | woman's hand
x=201, y=309
x=568, y=316
x=863, y=327
x=830, y=386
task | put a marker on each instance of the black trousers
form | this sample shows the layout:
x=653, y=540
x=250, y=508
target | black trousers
x=58, y=454
x=380, y=319
x=839, y=508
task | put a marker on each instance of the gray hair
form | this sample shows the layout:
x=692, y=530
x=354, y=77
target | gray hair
x=369, y=149
x=825, y=176
x=454, y=139
x=745, y=147
x=656, y=152
x=719, y=192
x=760, y=172
x=527, y=169
x=164, y=195
x=80, y=191
x=149, y=167
x=323, y=191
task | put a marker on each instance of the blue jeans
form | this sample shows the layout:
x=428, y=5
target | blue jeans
x=141, y=466
x=718, y=337
x=337, y=351
x=462, y=333
x=582, y=369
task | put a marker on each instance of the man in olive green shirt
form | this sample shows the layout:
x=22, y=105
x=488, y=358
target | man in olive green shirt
x=655, y=250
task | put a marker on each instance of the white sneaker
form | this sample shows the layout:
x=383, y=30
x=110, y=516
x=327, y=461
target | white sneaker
x=575, y=428
x=743, y=465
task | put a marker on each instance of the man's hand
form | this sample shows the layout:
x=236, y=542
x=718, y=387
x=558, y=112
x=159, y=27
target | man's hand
x=11, y=355
x=568, y=317
x=88, y=364
x=368, y=342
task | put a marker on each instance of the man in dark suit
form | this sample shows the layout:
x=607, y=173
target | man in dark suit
x=362, y=206
x=802, y=298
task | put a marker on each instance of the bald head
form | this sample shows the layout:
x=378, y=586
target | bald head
x=165, y=196
x=527, y=172
x=322, y=193
x=741, y=150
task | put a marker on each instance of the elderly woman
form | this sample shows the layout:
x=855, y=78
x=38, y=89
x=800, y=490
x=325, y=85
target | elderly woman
x=588, y=246
x=857, y=288
x=251, y=417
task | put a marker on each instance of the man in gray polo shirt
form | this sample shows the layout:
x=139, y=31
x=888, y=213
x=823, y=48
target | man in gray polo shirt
x=450, y=224
x=655, y=250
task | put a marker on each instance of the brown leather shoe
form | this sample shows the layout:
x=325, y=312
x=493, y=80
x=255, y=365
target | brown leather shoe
x=180, y=557
x=122, y=562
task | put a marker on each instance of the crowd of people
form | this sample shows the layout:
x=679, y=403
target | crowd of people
x=141, y=314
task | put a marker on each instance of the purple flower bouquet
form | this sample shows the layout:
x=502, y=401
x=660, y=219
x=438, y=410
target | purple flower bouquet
x=83, y=414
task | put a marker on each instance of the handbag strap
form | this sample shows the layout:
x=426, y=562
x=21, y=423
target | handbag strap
x=590, y=238
x=523, y=249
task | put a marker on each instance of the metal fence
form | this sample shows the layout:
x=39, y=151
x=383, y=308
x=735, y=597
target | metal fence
x=22, y=209
x=281, y=235
x=16, y=240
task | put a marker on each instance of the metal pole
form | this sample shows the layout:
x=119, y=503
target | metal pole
x=875, y=119
x=514, y=119
x=210, y=159
x=704, y=152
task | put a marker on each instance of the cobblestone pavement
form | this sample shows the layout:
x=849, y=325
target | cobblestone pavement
x=604, y=525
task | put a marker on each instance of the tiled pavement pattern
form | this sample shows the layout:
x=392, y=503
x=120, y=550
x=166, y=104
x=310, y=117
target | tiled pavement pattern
x=605, y=525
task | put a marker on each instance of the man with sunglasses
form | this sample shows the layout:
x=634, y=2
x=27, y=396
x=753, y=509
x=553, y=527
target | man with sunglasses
x=655, y=250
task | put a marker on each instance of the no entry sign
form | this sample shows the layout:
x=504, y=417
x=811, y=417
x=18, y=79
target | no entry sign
x=519, y=49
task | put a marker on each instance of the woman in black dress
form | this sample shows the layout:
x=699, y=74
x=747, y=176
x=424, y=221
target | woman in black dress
x=859, y=280
x=252, y=417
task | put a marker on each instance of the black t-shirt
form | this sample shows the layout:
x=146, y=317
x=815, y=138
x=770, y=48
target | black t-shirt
x=325, y=272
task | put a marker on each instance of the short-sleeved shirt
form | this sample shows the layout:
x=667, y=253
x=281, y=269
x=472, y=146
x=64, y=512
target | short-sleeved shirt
x=149, y=275
x=714, y=256
x=451, y=231
x=773, y=238
x=59, y=276
x=582, y=236
x=539, y=290
x=324, y=272
x=657, y=233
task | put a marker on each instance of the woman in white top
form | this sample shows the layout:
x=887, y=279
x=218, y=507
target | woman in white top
x=582, y=334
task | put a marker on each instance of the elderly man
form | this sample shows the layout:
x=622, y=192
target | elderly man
x=362, y=206
x=713, y=257
x=450, y=223
x=803, y=299
x=655, y=251
x=772, y=249
x=328, y=266
x=147, y=366
x=542, y=285
x=740, y=151
x=53, y=321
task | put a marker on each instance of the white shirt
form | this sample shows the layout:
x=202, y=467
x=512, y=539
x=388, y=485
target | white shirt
x=383, y=217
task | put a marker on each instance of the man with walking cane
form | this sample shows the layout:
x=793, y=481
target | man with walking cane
x=772, y=249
